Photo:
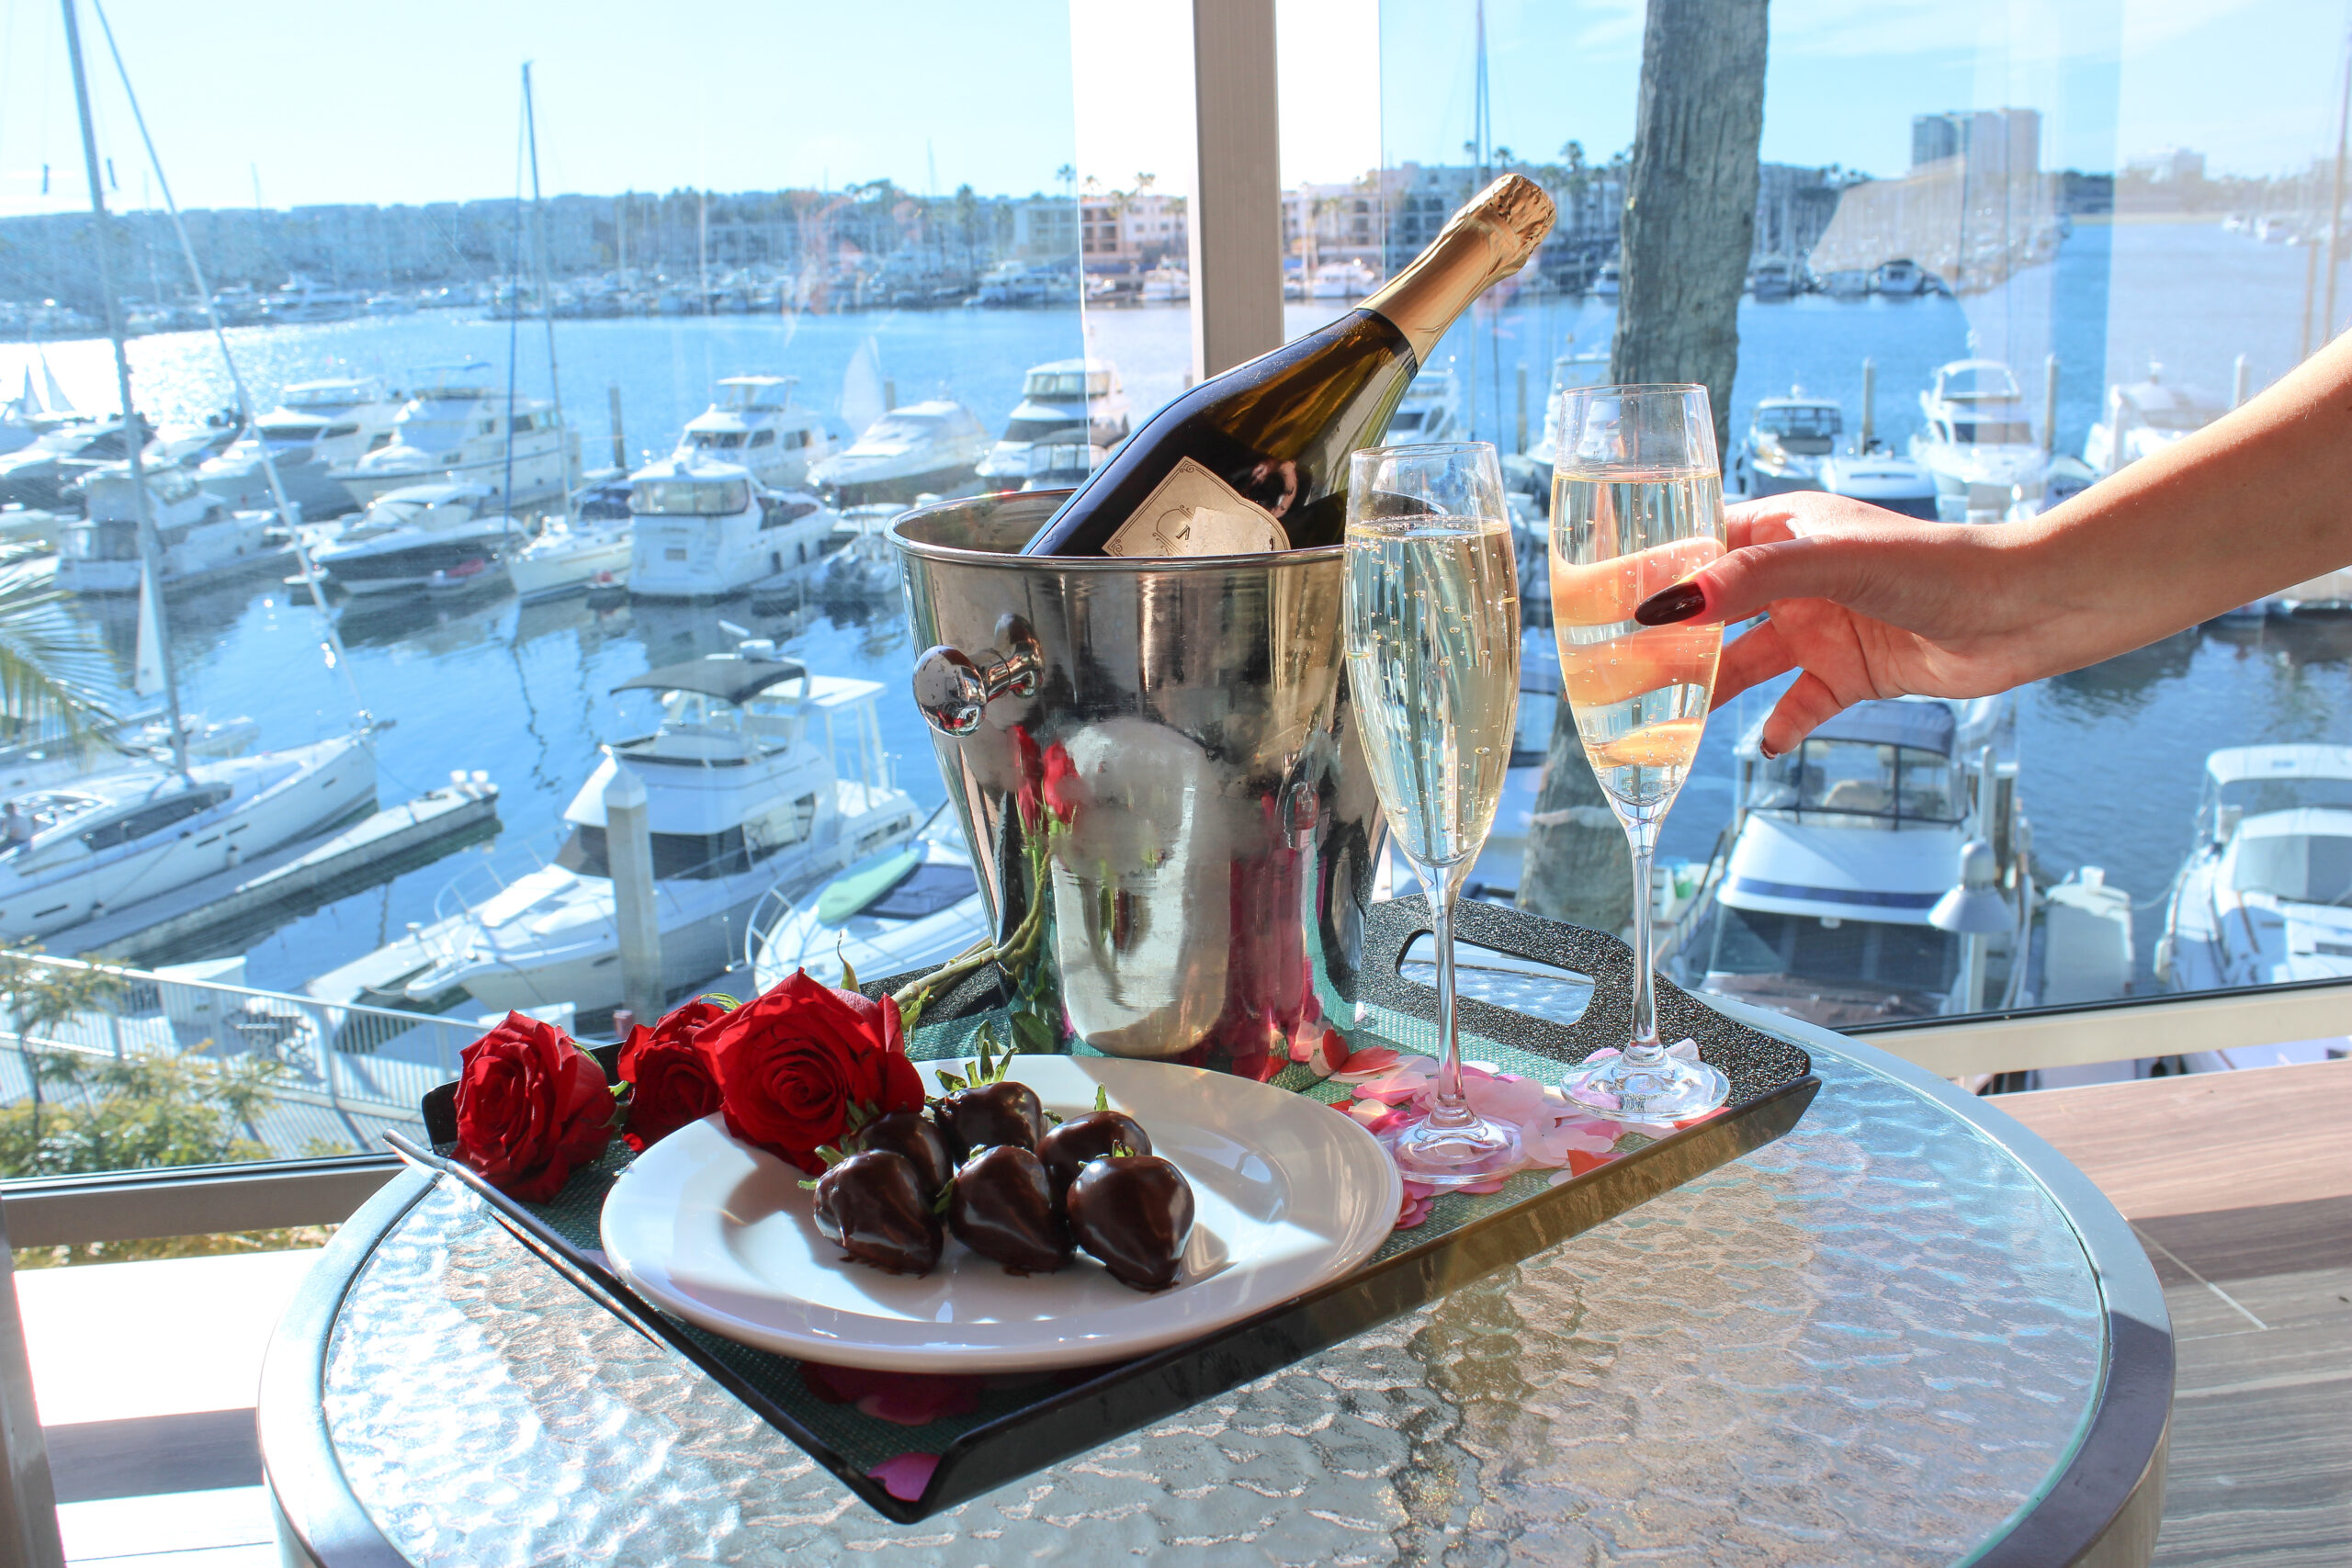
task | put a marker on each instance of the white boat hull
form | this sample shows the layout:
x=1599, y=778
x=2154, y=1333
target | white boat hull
x=335, y=779
x=540, y=575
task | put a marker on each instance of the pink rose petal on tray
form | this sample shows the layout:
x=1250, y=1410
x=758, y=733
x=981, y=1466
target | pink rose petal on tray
x=904, y=1476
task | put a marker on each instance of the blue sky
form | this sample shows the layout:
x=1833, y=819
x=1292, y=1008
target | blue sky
x=363, y=101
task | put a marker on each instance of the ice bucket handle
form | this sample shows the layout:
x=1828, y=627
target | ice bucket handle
x=952, y=686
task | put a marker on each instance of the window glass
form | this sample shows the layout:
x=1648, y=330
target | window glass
x=450, y=371
x=1994, y=261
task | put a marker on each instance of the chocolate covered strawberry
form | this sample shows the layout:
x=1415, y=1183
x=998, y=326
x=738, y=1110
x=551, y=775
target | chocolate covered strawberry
x=1133, y=1213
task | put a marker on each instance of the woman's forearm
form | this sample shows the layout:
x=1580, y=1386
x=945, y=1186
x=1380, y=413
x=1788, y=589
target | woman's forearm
x=2258, y=500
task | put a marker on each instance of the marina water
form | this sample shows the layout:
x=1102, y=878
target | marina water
x=2111, y=755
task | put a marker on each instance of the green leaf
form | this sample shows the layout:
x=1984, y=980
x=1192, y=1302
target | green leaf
x=1121, y=1151
x=848, y=975
x=1033, y=1033
x=808, y=1186
x=720, y=998
x=946, y=1195
x=951, y=1080
x=1101, y=1097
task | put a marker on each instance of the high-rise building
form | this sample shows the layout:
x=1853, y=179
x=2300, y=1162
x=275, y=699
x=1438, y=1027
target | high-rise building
x=1997, y=142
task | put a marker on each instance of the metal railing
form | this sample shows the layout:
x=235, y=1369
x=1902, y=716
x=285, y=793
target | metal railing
x=349, y=1058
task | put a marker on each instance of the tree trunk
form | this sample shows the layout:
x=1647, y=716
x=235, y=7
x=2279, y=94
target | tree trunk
x=1688, y=226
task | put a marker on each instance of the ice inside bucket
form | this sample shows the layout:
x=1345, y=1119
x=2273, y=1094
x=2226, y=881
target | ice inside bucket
x=1158, y=775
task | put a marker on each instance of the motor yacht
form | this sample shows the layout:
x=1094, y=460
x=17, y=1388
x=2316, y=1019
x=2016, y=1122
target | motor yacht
x=1607, y=282
x=43, y=473
x=570, y=554
x=452, y=430
x=759, y=776
x=200, y=533
x=705, y=530
x=1979, y=443
x=755, y=422
x=1166, y=286
x=1348, y=280
x=2264, y=894
x=1788, y=440
x=71, y=852
x=1896, y=484
x=2145, y=416
x=301, y=300
x=1065, y=400
x=1431, y=410
x=1901, y=278
x=1876, y=871
x=1771, y=280
x=913, y=905
x=408, y=536
x=1063, y=464
x=317, y=428
x=933, y=447
x=1530, y=472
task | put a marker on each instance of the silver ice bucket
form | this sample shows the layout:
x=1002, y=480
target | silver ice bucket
x=1159, y=777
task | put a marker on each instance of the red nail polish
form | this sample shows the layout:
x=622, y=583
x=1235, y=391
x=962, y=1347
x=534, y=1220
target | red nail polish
x=1668, y=605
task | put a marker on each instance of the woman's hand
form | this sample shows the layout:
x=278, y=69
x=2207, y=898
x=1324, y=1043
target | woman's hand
x=1868, y=604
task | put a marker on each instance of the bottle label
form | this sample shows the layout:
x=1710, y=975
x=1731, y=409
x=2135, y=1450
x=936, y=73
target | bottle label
x=1194, y=512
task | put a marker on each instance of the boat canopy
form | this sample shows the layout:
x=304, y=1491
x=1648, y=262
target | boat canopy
x=728, y=678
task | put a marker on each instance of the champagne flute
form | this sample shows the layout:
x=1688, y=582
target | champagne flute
x=1433, y=641
x=1636, y=506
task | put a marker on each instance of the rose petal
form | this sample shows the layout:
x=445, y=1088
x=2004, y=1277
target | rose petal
x=905, y=1476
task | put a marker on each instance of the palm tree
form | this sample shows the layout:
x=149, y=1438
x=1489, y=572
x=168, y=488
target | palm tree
x=52, y=672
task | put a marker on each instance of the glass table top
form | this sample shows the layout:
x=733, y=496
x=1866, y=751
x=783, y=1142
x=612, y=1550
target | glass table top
x=1876, y=1341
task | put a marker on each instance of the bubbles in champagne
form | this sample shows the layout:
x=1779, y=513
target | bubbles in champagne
x=1432, y=639
x=1639, y=693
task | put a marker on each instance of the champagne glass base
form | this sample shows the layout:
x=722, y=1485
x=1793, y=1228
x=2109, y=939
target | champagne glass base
x=1618, y=1089
x=1450, y=1155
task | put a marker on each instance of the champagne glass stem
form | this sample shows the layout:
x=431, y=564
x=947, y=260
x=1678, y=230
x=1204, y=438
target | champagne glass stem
x=1641, y=837
x=1452, y=1107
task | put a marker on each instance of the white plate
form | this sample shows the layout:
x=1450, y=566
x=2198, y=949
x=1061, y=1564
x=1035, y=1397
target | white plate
x=1287, y=1196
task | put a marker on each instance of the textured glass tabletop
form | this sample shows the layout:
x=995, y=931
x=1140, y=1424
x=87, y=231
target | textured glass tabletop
x=1876, y=1341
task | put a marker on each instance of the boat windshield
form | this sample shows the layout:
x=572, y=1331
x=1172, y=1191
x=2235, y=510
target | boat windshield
x=1800, y=423
x=720, y=440
x=293, y=432
x=1976, y=381
x=1991, y=432
x=1850, y=778
x=2297, y=868
x=691, y=856
x=689, y=498
x=1064, y=385
x=1754, y=941
x=2257, y=797
x=1022, y=430
x=899, y=427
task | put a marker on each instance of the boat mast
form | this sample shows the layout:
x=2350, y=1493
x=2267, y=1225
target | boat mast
x=546, y=290
x=151, y=554
x=333, y=640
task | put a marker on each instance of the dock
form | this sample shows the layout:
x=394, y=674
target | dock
x=270, y=889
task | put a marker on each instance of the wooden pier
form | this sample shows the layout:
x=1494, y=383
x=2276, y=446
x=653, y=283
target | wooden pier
x=269, y=889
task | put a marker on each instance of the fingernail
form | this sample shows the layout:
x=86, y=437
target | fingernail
x=1766, y=746
x=1668, y=605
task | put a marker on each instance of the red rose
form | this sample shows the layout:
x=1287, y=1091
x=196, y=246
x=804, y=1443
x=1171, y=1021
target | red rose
x=531, y=1106
x=792, y=1062
x=668, y=1082
x=1065, y=791
x=1032, y=772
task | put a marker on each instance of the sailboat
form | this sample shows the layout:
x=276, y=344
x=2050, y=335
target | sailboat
x=70, y=853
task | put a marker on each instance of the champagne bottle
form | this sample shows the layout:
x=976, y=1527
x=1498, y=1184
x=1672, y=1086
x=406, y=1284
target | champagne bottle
x=1257, y=458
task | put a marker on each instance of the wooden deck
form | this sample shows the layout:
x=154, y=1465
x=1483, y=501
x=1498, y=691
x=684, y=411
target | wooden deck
x=2240, y=1187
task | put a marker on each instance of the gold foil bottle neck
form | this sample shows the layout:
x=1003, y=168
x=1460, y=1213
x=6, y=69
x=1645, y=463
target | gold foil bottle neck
x=1486, y=242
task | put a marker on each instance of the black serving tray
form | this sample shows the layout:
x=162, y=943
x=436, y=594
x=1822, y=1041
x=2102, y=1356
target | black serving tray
x=1056, y=1416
